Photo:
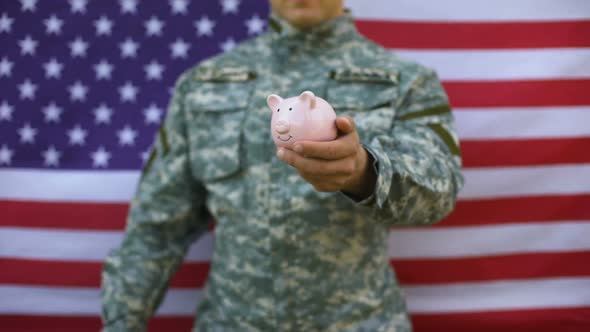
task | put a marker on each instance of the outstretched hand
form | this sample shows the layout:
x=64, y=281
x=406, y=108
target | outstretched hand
x=339, y=165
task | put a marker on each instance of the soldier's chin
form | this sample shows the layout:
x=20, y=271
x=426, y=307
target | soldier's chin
x=304, y=17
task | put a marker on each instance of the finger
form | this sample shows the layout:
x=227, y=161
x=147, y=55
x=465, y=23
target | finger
x=345, y=124
x=316, y=167
x=339, y=148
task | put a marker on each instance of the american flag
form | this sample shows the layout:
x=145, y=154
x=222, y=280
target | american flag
x=84, y=86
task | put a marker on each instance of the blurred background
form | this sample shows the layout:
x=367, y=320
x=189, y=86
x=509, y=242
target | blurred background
x=84, y=86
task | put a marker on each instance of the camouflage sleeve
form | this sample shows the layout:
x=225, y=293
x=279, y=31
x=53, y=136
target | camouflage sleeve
x=418, y=164
x=165, y=217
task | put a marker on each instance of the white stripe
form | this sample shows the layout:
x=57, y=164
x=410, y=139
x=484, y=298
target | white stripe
x=404, y=243
x=77, y=301
x=500, y=295
x=533, y=122
x=482, y=65
x=469, y=10
x=523, y=181
x=448, y=298
x=77, y=245
x=115, y=186
x=456, y=242
x=63, y=186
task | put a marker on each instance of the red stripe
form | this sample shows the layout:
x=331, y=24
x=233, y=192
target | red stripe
x=538, y=320
x=521, y=266
x=82, y=274
x=71, y=215
x=517, y=210
x=466, y=35
x=194, y=275
x=525, y=152
x=472, y=212
x=518, y=93
x=31, y=323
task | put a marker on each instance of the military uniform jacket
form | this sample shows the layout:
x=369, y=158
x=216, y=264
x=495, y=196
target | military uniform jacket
x=286, y=257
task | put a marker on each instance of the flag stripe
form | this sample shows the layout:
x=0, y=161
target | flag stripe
x=445, y=298
x=111, y=216
x=536, y=320
x=31, y=185
x=499, y=295
x=414, y=272
x=522, y=122
x=466, y=10
x=518, y=210
x=527, y=152
x=447, y=242
x=470, y=35
x=545, y=265
x=546, y=320
x=505, y=65
x=519, y=93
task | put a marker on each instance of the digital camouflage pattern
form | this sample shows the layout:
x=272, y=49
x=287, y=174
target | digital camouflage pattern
x=286, y=257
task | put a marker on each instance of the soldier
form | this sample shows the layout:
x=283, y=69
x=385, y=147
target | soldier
x=301, y=240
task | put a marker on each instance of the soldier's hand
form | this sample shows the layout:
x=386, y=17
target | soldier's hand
x=338, y=165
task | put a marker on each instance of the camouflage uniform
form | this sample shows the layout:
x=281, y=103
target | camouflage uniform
x=286, y=257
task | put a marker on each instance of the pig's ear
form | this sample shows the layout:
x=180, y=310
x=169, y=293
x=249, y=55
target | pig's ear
x=273, y=101
x=308, y=98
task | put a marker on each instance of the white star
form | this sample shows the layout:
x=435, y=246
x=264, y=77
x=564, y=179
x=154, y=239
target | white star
x=230, y=6
x=127, y=136
x=51, y=156
x=178, y=6
x=128, y=6
x=153, y=27
x=128, y=92
x=78, y=91
x=5, y=23
x=100, y=157
x=5, y=155
x=27, y=134
x=228, y=44
x=103, y=70
x=204, y=26
x=53, y=69
x=145, y=155
x=5, y=67
x=255, y=25
x=103, y=26
x=6, y=111
x=27, y=46
x=152, y=114
x=102, y=114
x=78, y=6
x=28, y=5
x=77, y=135
x=179, y=49
x=52, y=113
x=53, y=25
x=153, y=71
x=27, y=89
x=78, y=47
x=128, y=48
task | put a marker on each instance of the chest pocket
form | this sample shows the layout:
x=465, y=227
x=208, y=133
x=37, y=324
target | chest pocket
x=216, y=109
x=367, y=95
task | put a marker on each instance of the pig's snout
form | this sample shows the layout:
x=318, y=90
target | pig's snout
x=282, y=126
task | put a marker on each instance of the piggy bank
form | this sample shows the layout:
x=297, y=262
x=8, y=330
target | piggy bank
x=301, y=118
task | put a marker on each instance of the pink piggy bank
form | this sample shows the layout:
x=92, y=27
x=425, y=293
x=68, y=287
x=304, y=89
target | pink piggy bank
x=302, y=118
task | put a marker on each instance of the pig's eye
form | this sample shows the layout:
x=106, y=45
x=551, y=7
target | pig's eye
x=290, y=108
x=278, y=110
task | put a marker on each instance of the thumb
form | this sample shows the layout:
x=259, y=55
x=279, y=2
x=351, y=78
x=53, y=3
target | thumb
x=345, y=124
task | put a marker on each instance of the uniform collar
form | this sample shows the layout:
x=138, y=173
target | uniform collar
x=327, y=34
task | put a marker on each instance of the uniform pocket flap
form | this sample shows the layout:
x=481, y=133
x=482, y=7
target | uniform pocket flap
x=221, y=89
x=361, y=88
